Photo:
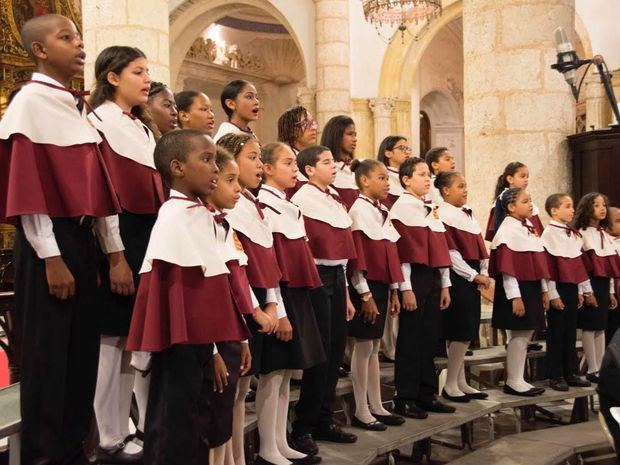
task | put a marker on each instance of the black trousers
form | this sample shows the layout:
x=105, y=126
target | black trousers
x=60, y=348
x=177, y=416
x=418, y=332
x=562, y=334
x=318, y=384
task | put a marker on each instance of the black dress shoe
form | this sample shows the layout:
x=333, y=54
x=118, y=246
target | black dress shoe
x=307, y=460
x=469, y=353
x=261, y=461
x=410, y=410
x=477, y=395
x=251, y=397
x=304, y=443
x=434, y=405
x=385, y=359
x=117, y=455
x=370, y=426
x=592, y=377
x=342, y=373
x=462, y=399
x=576, y=381
x=334, y=433
x=534, y=346
x=533, y=392
x=559, y=384
x=390, y=420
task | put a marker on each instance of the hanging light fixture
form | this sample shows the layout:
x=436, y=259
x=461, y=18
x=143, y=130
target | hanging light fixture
x=400, y=13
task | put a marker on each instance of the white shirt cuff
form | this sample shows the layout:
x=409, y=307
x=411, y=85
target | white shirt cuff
x=511, y=287
x=39, y=232
x=406, y=284
x=109, y=234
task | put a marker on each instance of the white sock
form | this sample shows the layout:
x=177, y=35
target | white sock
x=359, y=375
x=238, y=453
x=589, y=348
x=462, y=382
x=266, y=409
x=141, y=385
x=515, y=359
x=107, y=393
x=282, y=419
x=456, y=356
x=374, y=381
x=126, y=392
x=599, y=345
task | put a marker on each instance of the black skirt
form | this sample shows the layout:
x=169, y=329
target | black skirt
x=115, y=310
x=595, y=318
x=305, y=350
x=219, y=430
x=531, y=293
x=461, y=320
x=257, y=339
x=358, y=328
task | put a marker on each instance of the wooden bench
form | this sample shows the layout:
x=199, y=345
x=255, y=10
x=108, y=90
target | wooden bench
x=10, y=420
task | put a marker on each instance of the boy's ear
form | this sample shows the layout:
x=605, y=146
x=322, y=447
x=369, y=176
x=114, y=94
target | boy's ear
x=38, y=50
x=176, y=168
x=309, y=170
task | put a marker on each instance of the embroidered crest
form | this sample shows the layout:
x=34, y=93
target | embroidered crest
x=237, y=242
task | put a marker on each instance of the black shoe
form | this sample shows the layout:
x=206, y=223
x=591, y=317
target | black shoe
x=534, y=346
x=409, y=410
x=533, y=392
x=307, y=460
x=390, y=420
x=469, y=353
x=370, y=426
x=295, y=382
x=334, y=433
x=304, y=443
x=117, y=455
x=462, y=399
x=251, y=397
x=385, y=359
x=342, y=373
x=576, y=381
x=261, y=461
x=592, y=377
x=434, y=405
x=558, y=384
x=477, y=395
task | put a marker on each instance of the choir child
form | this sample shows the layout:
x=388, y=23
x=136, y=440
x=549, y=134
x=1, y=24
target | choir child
x=299, y=347
x=240, y=102
x=393, y=151
x=515, y=175
x=468, y=274
x=599, y=318
x=195, y=111
x=122, y=85
x=564, y=246
x=519, y=266
x=162, y=108
x=376, y=275
x=425, y=259
x=439, y=160
x=329, y=232
x=187, y=300
x=47, y=151
x=340, y=137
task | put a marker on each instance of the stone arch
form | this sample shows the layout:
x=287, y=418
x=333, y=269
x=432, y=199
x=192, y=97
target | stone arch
x=190, y=18
x=445, y=120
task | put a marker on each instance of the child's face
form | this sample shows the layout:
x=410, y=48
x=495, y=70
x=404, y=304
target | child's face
x=614, y=217
x=377, y=184
x=199, y=115
x=456, y=193
x=62, y=49
x=198, y=175
x=324, y=172
x=521, y=178
x=522, y=207
x=399, y=153
x=228, y=190
x=246, y=105
x=420, y=181
x=133, y=84
x=565, y=211
x=283, y=172
x=349, y=140
x=599, y=209
x=308, y=128
x=444, y=163
x=250, y=165
x=164, y=110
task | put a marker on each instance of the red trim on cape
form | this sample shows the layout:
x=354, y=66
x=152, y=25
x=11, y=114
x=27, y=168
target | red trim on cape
x=604, y=267
x=378, y=259
x=348, y=196
x=567, y=270
x=490, y=231
x=328, y=242
x=296, y=262
x=525, y=266
x=421, y=245
x=470, y=246
x=262, y=269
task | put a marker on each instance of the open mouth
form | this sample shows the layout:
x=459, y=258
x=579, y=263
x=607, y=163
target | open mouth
x=81, y=58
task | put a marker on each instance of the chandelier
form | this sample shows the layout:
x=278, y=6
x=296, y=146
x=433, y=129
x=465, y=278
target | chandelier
x=400, y=12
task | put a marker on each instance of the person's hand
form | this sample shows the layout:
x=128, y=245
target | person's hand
x=246, y=359
x=613, y=302
x=444, y=298
x=580, y=301
x=591, y=300
x=263, y=320
x=483, y=282
x=121, y=276
x=409, y=301
x=271, y=309
x=60, y=281
x=545, y=301
x=220, y=374
x=369, y=311
x=285, y=330
x=394, y=303
x=350, y=308
x=518, y=309
x=557, y=304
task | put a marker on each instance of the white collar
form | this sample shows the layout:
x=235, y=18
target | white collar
x=36, y=76
x=273, y=190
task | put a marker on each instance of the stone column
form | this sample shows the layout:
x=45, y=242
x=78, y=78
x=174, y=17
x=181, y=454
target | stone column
x=306, y=97
x=332, y=59
x=127, y=22
x=361, y=114
x=382, y=108
x=516, y=107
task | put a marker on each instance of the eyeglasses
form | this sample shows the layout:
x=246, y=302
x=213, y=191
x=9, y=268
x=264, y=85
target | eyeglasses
x=403, y=148
x=307, y=124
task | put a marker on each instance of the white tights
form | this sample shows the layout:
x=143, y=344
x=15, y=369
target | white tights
x=516, y=358
x=366, y=378
x=594, y=348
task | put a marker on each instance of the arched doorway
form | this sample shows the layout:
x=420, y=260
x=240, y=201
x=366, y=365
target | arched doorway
x=425, y=133
x=444, y=126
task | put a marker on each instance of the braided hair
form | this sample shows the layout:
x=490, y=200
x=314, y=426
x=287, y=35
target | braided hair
x=289, y=129
x=234, y=143
x=509, y=196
